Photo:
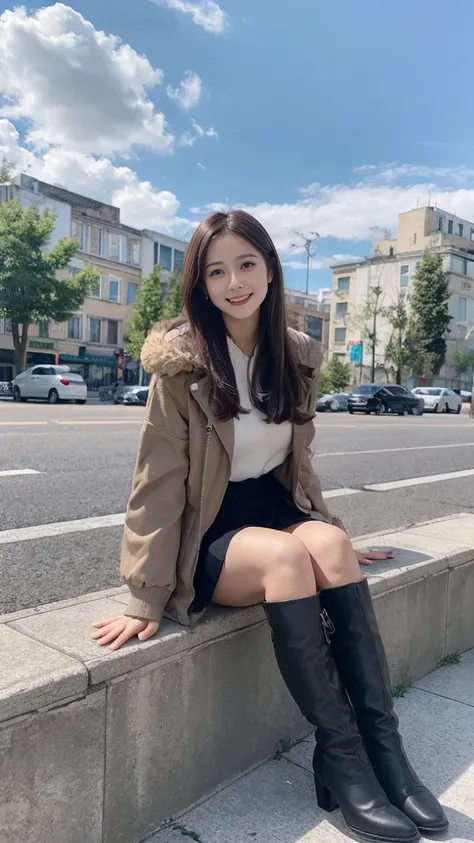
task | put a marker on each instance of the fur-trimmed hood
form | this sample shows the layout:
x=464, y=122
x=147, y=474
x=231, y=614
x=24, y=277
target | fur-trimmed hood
x=167, y=349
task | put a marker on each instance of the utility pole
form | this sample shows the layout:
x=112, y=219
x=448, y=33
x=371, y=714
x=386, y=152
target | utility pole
x=307, y=246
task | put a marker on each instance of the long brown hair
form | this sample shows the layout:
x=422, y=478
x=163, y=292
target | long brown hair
x=278, y=385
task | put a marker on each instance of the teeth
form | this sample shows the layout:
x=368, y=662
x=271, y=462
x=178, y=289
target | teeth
x=240, y=298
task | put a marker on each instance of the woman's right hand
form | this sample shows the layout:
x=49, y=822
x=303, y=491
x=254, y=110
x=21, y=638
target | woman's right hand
x=120, y=629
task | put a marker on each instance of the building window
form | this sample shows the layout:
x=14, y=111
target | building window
x=165, y=257
x=114, y=246
x=5, y=326
x=178, y=260
x=314, y=327
x=74, y=328
x=472, y=233
x=96, y=292
x=440, y=223
x=462, y=309
x=112, y=332
x=464, y=266
x=340, y=335
x=341, y=309
x=43, y=330
x=460, y=229
x=131, y=292
x=155, y=253
x=343, y=284
x=133, y=251
x=114, y=289
x=96, y=235
x=404, y=276
x=450, y=226
x=94, y=330
x=74, y=270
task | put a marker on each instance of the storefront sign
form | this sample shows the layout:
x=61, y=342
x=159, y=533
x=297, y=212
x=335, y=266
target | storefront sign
x=97, y=359
x=41, y=343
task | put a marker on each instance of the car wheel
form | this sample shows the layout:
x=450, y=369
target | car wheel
x=446, y=408
x=16, y=393
x=458, y=410
x=367, y=412
x=351, y=412
x=53, y=396
x=380, y=409
x=417, y=411
x=81, y=400
x=435, y=408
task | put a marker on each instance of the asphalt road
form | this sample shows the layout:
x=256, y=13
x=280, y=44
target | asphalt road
x=84, y=458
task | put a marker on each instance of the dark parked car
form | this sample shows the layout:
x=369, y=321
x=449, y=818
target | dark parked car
x=384, y=398
x=131, y=395
x=334, y=402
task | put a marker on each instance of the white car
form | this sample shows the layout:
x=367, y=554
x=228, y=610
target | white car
x=439, y=400
x=52, y=383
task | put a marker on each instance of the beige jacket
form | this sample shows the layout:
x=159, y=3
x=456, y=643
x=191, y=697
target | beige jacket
x=182, y=472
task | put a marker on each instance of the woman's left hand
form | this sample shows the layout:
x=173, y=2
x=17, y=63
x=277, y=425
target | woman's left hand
x=367, y=557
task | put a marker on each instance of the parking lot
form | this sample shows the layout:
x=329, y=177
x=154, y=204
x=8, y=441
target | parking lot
x=65, y=474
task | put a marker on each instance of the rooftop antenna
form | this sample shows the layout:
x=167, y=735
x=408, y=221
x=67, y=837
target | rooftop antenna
x=308, y=241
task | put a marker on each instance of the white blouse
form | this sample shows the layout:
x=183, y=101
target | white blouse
x=258, y=447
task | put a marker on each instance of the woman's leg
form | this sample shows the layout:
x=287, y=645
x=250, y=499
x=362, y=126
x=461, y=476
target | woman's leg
x=275, y=567
x=332, y=555
x=360, y=657
x=263, y=564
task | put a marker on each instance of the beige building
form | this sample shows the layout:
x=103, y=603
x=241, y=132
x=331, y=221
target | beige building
x=305, y=313
x=92, y=341
x=392, y=268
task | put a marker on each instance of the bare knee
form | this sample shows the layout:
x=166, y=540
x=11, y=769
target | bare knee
x=335, y=562
x=290, y=573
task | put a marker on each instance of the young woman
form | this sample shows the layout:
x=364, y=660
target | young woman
x=226, y=508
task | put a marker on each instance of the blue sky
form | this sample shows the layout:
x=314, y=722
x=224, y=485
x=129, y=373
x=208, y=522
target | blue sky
x=324, y=117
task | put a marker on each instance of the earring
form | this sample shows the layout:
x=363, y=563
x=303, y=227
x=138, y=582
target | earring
x=206, y=296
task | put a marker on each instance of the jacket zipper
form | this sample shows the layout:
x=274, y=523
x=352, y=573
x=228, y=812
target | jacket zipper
x=209, y=429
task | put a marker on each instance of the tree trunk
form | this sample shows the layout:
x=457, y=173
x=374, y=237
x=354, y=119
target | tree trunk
x=20, y=342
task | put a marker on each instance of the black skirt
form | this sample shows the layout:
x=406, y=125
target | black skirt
x=259, y=502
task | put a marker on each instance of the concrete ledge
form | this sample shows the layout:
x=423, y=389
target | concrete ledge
x=129, y=738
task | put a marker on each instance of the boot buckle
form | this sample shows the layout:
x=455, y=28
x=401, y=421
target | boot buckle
x=328, y=626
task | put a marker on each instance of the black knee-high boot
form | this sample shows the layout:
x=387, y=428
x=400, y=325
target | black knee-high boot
x=362, y=664
x=343, y=773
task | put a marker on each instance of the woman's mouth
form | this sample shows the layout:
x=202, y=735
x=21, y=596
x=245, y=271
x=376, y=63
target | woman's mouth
x=239, y=300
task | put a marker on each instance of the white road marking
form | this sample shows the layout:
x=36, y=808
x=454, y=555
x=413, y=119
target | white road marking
x=15, y=471
x=339, y=493
x=395, y=450
x=43, y=531
x=79, y=423
x=419, y=481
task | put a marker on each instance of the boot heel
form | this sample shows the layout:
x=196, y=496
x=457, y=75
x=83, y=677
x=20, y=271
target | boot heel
x=324, y=796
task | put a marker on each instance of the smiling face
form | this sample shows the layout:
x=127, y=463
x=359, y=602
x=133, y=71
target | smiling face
x=236, y=278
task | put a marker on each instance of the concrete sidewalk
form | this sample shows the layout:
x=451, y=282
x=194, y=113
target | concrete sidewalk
x=275, y=803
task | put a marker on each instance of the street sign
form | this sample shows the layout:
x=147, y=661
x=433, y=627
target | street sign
x=356, y=353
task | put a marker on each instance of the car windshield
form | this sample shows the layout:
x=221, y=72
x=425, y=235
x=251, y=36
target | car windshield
x=430, y=391
x=368, y=388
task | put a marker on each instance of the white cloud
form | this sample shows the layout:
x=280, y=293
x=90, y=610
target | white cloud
x=353, y=211
x=78, y=87
x=189, y=138
x=205, y=13
x=189, y=92
x=395, y=171
x=324, y=262
x=201, y=166
x=141, y=204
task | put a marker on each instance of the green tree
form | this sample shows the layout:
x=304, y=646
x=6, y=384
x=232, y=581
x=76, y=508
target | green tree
x=173, y=305
x=147, y=310
x=429, y=312
x=336, y=375
x=30, y=290
x=372, y=310
x=463, y=361
x=402, y=352
x=5, y=171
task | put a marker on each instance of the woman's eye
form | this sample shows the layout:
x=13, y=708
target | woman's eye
x=247, y=264
x=214, y=272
